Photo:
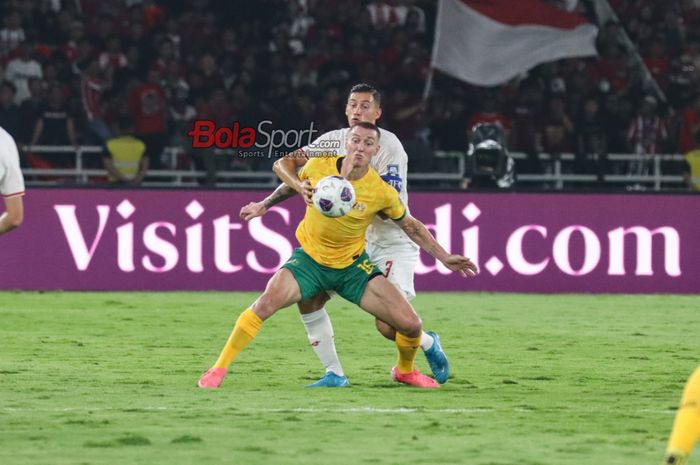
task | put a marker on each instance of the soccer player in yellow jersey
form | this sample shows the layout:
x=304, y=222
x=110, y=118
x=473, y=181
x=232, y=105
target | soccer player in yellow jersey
x=332, y=258
x=386, y=244
x=686, y=426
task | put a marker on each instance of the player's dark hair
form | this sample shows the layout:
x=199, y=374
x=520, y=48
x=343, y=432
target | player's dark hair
x=366, y=125
x=368, y=89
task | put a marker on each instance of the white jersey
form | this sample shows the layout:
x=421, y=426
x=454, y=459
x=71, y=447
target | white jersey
x=11, y=180
x=391, y=162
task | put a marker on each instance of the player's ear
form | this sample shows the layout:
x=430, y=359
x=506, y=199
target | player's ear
x=378, y=112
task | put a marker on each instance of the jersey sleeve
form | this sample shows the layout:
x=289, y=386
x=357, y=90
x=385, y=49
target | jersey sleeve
x=309, y=168
x=393, y=165
x=394, y=207
x=304, y=171
x=11, y=180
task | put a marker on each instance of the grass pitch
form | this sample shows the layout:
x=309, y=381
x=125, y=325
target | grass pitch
x=109, y=378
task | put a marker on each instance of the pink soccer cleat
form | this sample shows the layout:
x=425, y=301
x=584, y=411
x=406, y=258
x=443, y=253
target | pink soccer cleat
x=212, y=379
x=414, y=378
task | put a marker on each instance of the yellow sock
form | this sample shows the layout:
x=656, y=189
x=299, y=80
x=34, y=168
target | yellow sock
x=246, y=328
x=686, y=426
x=408, y=346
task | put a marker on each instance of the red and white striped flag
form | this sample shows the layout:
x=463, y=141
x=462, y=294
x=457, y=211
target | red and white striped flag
x=488, y=42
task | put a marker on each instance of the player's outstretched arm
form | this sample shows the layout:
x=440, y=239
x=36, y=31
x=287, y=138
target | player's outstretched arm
x=255, y=209
x=13, y=216
x=286, y=169
x=421, y=236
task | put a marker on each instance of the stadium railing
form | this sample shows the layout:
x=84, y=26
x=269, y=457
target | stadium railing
x=448, y=174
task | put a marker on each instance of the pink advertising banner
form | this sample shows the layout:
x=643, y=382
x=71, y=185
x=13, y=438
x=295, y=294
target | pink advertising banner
x=77, y=239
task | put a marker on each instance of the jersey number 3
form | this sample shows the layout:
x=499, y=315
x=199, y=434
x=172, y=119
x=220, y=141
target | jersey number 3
x=389, y=264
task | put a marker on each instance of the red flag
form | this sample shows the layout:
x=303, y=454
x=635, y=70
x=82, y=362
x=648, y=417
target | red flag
x=488, y=42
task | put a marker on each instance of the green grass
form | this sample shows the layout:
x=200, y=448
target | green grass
x=109, y=378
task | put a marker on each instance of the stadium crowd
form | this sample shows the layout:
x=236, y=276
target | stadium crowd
x=84, y=71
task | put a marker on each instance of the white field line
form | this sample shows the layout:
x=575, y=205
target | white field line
x=362, y=410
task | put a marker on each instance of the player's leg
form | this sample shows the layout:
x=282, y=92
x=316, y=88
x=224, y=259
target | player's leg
x=385, y=302
x=686, y=426
x=282, y=291
x=319, y=330
x=399, y=263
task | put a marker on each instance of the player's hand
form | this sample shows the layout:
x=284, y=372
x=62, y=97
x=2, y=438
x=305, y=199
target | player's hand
x=307, y=192
x=252, y=210
x=461, y=264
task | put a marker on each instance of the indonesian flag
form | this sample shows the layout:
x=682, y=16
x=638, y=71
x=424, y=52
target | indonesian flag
x=488, y=42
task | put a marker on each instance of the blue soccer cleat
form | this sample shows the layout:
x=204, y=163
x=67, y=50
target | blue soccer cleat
x=331, y=380
x=437, y=360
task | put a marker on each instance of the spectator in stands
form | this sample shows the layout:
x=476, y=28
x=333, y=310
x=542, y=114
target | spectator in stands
x=218, y=110
x=94, y=82
x=211, y=71
x=55, y=75
x=147, y=106
x=113, y=57
x=689, y=126
x=405, y=118
x=20, y=69
x=657, y=62
x=489, y=113
x=12, y=34
x=124, y=158
x=447, y=122
x=167, y=61
x=29, y=109
x=76, y=34
x=181, y=116
x=646, y=136
x=555, y=129
x=525, y=114
x=591, y=143
x=56, y=126
x=9, y=110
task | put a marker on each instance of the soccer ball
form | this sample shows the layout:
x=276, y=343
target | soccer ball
x=334, y=196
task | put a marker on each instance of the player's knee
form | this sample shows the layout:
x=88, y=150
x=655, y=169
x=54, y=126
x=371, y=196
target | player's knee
x=411, y=324
x=265, y=306
x=385, y=330
x=414, y=328
x=313, y=304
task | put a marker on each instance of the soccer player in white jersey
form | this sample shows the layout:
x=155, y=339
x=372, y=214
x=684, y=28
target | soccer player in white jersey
x=387, y=245
x=11, y=183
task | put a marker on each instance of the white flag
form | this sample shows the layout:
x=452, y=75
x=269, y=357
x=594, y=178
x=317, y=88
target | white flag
x=488, y=42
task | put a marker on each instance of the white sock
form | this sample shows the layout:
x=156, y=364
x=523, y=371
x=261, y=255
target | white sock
x=426, y=341
x=320, y=331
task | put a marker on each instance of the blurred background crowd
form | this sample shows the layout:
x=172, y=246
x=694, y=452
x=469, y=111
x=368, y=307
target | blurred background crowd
x=77, y=72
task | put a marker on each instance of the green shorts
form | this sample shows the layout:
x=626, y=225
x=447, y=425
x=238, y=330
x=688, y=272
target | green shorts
x=349, y=282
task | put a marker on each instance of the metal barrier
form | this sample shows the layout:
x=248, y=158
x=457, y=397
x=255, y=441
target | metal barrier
x=449, y=173
x=557, y=177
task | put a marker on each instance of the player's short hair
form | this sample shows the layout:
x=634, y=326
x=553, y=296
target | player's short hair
x=368, y=89
x=366, y=125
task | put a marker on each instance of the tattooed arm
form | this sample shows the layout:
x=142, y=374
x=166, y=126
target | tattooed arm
x=255, y=209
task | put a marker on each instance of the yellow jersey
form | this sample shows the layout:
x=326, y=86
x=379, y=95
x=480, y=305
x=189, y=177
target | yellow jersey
x=693, y=160
x=337, y=242
x=126, y=152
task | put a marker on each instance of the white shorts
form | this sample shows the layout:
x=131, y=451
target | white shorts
x=398, y=262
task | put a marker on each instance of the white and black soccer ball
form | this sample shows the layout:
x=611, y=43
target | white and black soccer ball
x=334, y=196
